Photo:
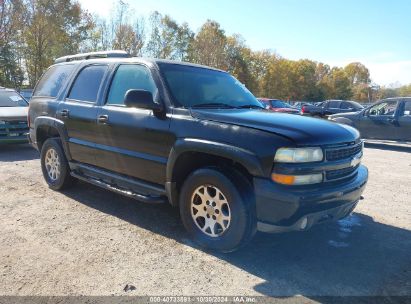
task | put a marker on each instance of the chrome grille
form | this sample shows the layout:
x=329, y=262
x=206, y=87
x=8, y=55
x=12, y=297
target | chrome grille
x=340, y=173
x=13, y=129
x=343, y=152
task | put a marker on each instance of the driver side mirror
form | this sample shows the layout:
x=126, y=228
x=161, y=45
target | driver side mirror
x=141, y=99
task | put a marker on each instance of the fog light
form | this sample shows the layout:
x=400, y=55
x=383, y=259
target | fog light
x=304, y=223
x=297, y=179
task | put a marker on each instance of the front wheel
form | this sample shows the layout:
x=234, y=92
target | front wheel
x=214, y=212
x=54, y=165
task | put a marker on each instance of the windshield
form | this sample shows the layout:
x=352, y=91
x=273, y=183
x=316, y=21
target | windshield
x=356, y=105
x=279, y=104
x=11, y=99
x=195, y=87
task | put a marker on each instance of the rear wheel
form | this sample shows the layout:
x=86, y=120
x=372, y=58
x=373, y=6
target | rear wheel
x=214, y=212
x=54, y=165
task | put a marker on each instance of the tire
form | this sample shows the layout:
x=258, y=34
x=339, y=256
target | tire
x=54, y=165
x=231, y=219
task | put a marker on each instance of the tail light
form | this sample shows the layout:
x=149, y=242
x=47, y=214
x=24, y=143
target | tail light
x=303, y=109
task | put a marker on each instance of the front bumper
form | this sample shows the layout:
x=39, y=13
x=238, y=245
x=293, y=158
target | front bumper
x=14, y=140
x=30, y=138
x=286, y=208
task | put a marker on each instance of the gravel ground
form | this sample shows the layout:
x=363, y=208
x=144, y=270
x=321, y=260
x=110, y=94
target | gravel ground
x=88, y=241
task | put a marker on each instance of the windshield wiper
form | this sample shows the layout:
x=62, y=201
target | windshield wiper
x=250, y=106
x=213, y=105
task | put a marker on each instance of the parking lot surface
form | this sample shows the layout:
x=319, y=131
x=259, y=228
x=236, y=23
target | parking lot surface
x=88, y=241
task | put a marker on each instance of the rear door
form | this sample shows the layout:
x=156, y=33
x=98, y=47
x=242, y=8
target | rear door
x=346, y=107
x=404, y=121
x=380, y=121
x=78, y=111
x=332, y=107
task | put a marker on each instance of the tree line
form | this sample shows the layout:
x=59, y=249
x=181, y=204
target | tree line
x=35, y=32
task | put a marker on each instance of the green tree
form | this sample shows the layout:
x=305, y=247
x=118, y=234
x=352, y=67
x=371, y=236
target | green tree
x=339, y=84
x=183, y=41
x=303, y=80
x=168, y=39
x=54, y=28
x=128, y=40
x=357, y=73
x=12, y=17
x=238, y=57
x=209, y=45
x=258, y=66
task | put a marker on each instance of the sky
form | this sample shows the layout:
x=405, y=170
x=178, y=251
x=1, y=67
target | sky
x=376, y=33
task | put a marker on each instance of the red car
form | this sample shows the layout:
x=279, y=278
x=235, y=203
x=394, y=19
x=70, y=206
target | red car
x=277, y=105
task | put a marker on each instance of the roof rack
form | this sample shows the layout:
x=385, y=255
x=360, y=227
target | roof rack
x=85, y=56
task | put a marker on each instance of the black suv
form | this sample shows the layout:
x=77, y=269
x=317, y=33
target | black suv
x=165, y=131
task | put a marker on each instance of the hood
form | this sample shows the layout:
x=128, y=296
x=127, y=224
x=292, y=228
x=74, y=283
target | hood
x=13, y=113
x=302, y=130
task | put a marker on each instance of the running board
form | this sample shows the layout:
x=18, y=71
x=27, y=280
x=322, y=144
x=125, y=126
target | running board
x=137, y=196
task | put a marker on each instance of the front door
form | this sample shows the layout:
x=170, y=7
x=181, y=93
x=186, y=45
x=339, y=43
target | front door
x=380, y=121
x=332, y=107
x=133, y=141
x=404, y=121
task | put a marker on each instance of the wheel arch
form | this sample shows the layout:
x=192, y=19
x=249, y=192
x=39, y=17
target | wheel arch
x=48, y=127
x=188, y=155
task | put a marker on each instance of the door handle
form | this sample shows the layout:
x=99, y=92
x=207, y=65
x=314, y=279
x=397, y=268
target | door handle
x=64, y=113
x=103, y=119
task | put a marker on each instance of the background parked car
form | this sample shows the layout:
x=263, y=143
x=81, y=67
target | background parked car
x=277, y=105
x=330, y=107
x=388, y=119
x=13, y=117
x=26, y=93
x=299, y=104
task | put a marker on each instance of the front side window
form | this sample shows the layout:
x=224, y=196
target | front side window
x=279, y=104
x=351, y=105
x=195, y=87
x=53, y=80
x=386, y=108
x=87, y=83
x=130, y=77
x=407, y=108
x=334, y=104
x=11, y=99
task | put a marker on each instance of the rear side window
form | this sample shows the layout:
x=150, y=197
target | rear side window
x=407, y=108
x=346, y=105
x=334, y=104
x=351, y=105
x=127, y=77
x=87, y=83
x=53, y=80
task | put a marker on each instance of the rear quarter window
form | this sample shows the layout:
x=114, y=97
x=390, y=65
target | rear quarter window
x=87, y=83
x=53, y=80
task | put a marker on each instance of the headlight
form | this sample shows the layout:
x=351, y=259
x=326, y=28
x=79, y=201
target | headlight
x=297, y=179
x=2, y=122
x=298, y=155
